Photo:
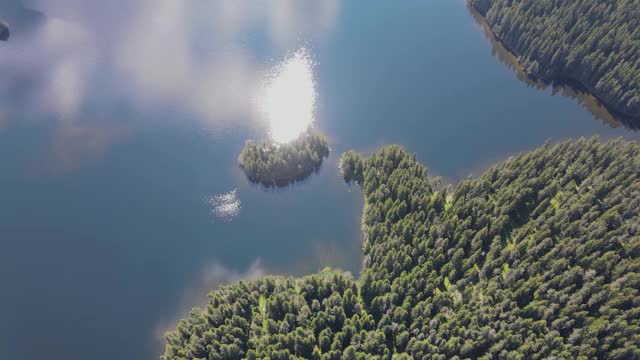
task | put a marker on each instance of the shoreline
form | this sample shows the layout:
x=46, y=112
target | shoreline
x=630, y=121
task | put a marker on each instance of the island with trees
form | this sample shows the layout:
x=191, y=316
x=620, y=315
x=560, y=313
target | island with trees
x=538, y=258
x=4, y=31
x=272, y=164
x=591, y=44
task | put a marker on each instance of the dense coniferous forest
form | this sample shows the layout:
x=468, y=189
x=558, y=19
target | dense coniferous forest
x=594, y=43
x=273, y=164
x=538, y=258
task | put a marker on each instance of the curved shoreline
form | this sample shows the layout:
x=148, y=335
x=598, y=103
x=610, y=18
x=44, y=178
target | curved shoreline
x=593, y=102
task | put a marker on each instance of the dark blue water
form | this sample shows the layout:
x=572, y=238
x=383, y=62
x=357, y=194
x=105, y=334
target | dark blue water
x=120, y=121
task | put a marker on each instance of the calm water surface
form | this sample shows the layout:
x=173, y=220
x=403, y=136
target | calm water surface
x=120, y=124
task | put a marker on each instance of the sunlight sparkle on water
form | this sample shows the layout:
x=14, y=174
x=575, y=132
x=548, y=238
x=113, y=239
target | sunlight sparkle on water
x=289, y=97
x=225, y=206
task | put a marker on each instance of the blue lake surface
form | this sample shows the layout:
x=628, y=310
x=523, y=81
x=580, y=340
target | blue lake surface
x=121, y=202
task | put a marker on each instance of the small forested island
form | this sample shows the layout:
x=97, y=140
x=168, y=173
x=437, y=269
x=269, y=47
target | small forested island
x=593, y=44
x=538, y=258
x=273, y=164
x=4, y=31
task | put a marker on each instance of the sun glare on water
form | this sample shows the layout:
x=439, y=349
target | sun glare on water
x=225, y=206
x=289, y=97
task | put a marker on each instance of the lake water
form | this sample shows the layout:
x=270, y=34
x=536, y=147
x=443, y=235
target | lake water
x=121, y=201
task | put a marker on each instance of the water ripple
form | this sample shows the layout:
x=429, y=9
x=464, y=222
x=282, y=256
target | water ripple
x=225, y=206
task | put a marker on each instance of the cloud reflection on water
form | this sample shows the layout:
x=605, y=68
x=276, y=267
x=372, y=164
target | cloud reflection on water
x=191, y=56
x=212, y=277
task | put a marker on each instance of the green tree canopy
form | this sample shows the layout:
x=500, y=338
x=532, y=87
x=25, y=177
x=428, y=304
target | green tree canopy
x=273, y=164
x=595, y=43
x=538, y=258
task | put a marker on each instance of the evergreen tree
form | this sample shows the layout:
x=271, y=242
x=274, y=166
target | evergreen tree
x=594, y=43
x=538, y=258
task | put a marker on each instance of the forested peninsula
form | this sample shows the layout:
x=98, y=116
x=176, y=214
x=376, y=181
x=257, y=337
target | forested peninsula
x=593, y=44
x=272, y=164
x=538, y=258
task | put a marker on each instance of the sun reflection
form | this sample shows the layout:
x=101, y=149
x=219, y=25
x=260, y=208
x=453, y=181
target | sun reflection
x=289, y=96
x=225, y=206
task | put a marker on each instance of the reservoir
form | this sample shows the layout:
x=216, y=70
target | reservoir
x=121, y=199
